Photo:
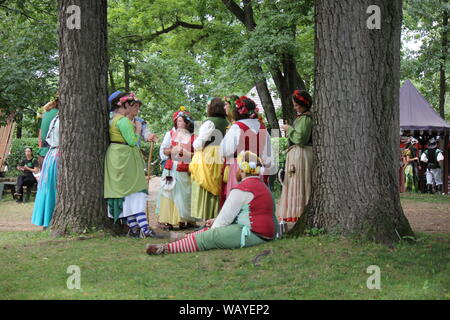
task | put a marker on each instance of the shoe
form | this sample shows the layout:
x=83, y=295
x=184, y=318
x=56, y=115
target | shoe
x=175, y=236
x=150, y=234
x=165, y=226
x=17, y=196
x=133, y=234
x=156, y=249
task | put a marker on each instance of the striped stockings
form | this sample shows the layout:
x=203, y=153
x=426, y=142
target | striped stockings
x=188, y=244
x=138, y=220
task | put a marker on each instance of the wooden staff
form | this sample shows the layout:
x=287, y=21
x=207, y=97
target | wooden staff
x=149, y=171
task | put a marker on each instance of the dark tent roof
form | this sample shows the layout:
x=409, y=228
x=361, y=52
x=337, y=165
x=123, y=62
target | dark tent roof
x=417, y=114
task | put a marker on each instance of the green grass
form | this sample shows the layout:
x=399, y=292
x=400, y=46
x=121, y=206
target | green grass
x=34, y=266
x=425, y=197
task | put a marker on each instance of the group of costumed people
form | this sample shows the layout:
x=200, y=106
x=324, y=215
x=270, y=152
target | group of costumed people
x=224, y=174
x=431, y=158
x=218, y=177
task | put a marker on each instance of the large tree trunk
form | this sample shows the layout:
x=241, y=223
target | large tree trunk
x=442, y=82
x=83, y=120
x=356, y=123
x=287, y=81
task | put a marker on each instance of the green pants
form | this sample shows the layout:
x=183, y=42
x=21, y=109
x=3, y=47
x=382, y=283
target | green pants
x=228, y=237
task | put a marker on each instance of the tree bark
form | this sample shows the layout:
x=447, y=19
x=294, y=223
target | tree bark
x=355, y=187
x=442, y=82
x=83, y=120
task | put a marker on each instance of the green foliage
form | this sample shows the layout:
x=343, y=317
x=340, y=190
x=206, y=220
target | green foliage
x=17, y=154
x=28, y=59
x=423, y=22
x=314, y=232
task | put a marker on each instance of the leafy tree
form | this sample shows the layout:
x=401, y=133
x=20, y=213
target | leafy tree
x=427, y=21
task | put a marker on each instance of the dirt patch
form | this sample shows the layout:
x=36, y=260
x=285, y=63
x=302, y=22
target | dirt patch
x=427, y=217
x=423, y=216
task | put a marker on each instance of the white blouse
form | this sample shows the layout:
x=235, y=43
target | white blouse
x=230, y=142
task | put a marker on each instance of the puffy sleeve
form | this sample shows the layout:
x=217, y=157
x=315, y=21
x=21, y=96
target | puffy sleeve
x=204, y=134
x=231, y=208
x=423, y=157
x=300, y=133
x=440, y=156
x=127, y=130
x=230, y=142
x=164, y=145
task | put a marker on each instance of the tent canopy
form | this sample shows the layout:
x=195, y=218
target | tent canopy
x=416, y=114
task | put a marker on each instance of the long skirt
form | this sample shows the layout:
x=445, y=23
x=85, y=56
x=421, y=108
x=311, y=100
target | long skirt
x=297, y=183
x=174, y=206
x=204, y=205
x=206, y=177
x=410, y=183
x=45, y=202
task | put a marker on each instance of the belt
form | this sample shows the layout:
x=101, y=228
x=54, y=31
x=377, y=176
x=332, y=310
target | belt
x=119, y=142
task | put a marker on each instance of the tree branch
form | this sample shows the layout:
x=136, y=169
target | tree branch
x=235, y=9
x=152, y=36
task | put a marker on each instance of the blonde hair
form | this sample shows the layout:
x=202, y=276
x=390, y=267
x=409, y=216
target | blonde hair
x=249, y=162
x=51, y=105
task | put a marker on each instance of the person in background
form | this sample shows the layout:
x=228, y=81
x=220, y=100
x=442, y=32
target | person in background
x=50, y=111
x=410, y=160
x=246, y=219
x=29, y=166
x=45, y=202
x=125, y=187
x=206, y=166
x=433, y=157
x=247, y=133
x=174, y=201
x=298, y=169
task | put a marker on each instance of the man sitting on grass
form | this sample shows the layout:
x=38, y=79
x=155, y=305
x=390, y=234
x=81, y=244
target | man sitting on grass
x=246, y=219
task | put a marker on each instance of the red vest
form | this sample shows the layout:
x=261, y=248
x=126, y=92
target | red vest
x=182, y=166
x=261, y=207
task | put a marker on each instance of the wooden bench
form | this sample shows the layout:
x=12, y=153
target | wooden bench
x=10, y=183
x=7, y=183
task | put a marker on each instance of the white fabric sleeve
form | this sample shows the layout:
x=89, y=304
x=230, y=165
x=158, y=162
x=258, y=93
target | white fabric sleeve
x=231, y=208
x=204, y=134
x=164, y=145
x=440, y=156
x=145, y=132
x=268, y=158
x=229, y=144
x=423, y=157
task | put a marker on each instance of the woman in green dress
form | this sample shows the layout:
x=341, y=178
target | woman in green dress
x=297, y=181
x=125, y=185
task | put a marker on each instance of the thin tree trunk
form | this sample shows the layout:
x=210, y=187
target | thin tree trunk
x=19, y=125
x=442, y=82
x=111, y=82
x=355, y=187
x=83, y=120
x=266, y=98
x=126, y=67
x=245, y=16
